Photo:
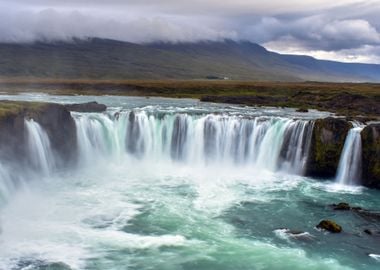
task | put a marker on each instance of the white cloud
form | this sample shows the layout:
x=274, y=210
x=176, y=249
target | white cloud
x=314, y=27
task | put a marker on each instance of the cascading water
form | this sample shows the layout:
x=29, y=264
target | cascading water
x=175, y=184
x=40, y=152
x=349, y=169
x=7, y=184
x=196, y=139
x=298, y=140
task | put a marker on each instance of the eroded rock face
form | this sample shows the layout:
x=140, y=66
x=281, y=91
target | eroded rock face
x=327, y=143
x=55, y=119
x=371, y=156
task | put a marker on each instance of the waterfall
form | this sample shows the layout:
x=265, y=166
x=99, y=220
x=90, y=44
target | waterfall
x=7, y=184
x=349, y=169
x=271, y=143
x=40, y=153
x=297, y=146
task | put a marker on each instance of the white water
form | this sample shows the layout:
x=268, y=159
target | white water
x=349, y=169
x=269, y=143
x=41, y=156
x=7, y=184
x=175, y=190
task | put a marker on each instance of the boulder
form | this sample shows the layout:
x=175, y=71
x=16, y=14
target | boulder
x=302, y=110
x=330, y=226
x=371, y=156
x=342, y=206
x=327, y=143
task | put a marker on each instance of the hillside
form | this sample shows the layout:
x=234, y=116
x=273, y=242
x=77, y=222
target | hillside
x=109, y=59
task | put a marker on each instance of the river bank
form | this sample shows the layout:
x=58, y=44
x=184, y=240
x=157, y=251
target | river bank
x=325, y=137
x=357, y=101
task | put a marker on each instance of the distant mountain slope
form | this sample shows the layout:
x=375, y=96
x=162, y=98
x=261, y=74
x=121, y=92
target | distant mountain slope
x=109, y=59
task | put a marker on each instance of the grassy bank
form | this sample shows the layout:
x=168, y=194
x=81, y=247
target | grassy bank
x=14, y=108
x=348, y=99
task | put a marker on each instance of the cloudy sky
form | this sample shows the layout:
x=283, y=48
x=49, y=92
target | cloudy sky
x=345, y=30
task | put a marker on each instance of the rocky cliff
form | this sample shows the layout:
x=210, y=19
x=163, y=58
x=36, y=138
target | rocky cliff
x=55, y=119
x=327, y=139
x=327, y=142
x=371, y=155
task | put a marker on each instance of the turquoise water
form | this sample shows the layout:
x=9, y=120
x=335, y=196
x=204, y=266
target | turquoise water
x=122, y=211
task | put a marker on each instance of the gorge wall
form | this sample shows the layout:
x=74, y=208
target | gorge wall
x=312, y=148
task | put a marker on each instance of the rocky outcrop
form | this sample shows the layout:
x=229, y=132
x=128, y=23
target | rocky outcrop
x=371, y=155
x=86, y=107
x=341, y=206
x=327, y=142
x=55, y=119
x=329, y=225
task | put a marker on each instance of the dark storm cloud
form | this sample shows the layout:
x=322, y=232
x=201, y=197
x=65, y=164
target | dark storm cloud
x=341, y=29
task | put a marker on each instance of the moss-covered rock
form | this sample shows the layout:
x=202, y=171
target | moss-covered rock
x=371, y=155
x=330, y=226
x=327, y=143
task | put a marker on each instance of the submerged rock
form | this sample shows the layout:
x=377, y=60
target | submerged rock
x=330, y=226
x=303, y=110
x=327, y=143
x=342, y=206
x=86, y=107
x=371, y=156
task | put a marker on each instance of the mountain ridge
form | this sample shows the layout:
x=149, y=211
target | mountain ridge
x=110, y=59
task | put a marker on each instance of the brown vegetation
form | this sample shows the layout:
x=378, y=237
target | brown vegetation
x=347, y=99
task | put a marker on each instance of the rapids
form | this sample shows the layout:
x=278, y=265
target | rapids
x=178, y=184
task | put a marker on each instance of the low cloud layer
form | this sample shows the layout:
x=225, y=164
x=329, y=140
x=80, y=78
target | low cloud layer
x=346, y=30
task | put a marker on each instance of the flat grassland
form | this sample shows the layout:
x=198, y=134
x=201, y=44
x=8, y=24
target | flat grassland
x=349, y=99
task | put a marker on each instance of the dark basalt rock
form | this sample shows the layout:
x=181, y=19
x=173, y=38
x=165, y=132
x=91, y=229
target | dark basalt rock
x=371, y=156
x=55, y=119
x=342, y=206
x=330, y=226
x=86, y=107
x=327, y=143
x=302, y=110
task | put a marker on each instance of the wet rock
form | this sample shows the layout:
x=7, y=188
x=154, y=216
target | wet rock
x=86, y=107
x=370, y=216
x=302, y=110
x=342, y=206
x=55, y=119
x=371, y=156
x=327, y=143
x=330, y=226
